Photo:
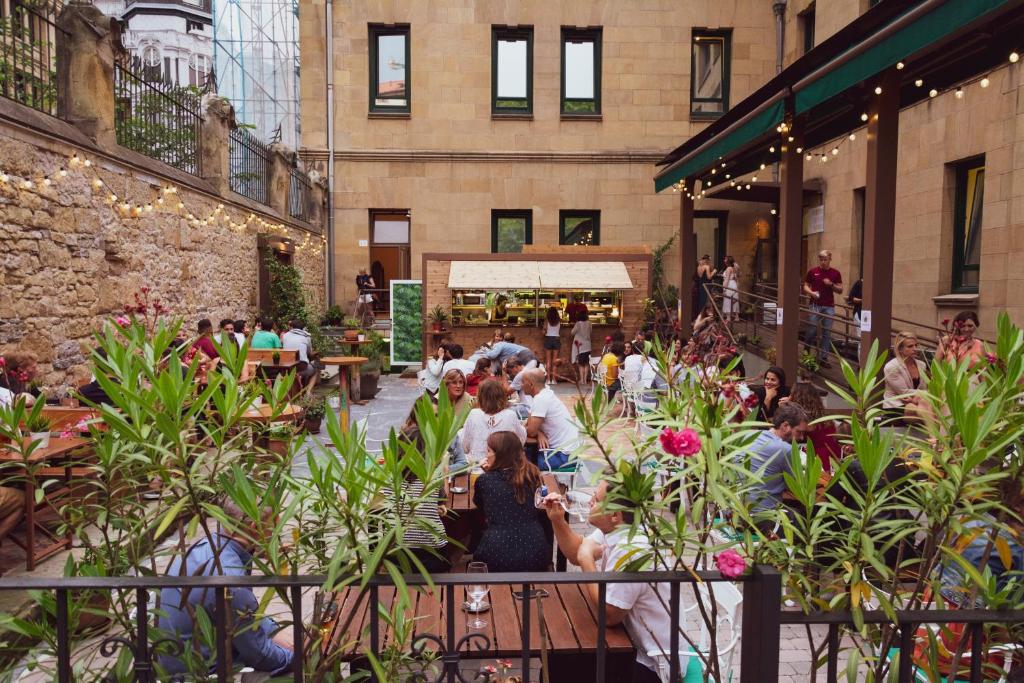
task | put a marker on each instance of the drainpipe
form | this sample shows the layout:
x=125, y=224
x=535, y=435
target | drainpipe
x=779, y=8
x=330, y=151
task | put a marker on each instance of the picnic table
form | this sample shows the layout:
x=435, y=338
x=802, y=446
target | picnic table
x=264, y=413
x=569, y=619
x=57, y=451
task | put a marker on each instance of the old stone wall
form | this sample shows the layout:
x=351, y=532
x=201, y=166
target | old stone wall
x=71, y=259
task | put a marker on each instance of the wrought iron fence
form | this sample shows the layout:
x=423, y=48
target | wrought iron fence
x=28, y=53
x=158, y=119
x=249, y=165
x=298, y=195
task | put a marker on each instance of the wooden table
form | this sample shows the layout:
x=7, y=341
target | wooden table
x=344, y=363
x=265, y=413
x=569, y=618
x=62, y=418
x=59, y=448
x=271, y=369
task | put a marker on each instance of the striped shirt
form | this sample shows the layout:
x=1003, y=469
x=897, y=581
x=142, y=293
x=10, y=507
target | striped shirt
x=423, y=527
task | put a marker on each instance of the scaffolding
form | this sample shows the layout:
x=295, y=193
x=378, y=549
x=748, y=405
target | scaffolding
x=256, y=62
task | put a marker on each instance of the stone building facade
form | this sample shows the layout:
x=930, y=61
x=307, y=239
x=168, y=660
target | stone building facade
x=450, y=160
x=73, y=257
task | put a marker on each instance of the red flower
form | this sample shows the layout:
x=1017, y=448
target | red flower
x=144, y=289
x=992, y=358
x=685, y=442
x=3, y=362
x=750, y=402
x=945, y=322
x=122, y=321
x=730, y=563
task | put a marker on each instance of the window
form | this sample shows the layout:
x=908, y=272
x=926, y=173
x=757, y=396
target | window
x=198, y=69
x=581, y=71
x=967, y=203
x=806, y=19
x=579, y=227
x=389, y=69
x=390, y=227
x=193, y=25
x=510, y=230
x=511, y=70
x=151, y=63
x=709, y=74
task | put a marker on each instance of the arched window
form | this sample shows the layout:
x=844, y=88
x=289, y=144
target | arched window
x=151, y=62
x=198, y=69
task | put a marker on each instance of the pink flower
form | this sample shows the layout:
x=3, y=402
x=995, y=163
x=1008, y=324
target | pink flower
x=991, y=358
x=750, y=401
x=3, y=362
x=82, y=425
x=66, y=434
x=730, y=563
x=945, y=322
x=122, y=321
x=685, y=442
x=144, y=289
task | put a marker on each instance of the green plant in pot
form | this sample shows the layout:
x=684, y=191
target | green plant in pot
x=352, y=329
x=333, y=317
x=438, y=316
x=313, y=414
x=38, y=427
x=376, y=352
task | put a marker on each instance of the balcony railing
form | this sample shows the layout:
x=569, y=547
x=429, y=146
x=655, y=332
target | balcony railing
x=298, y=195
x=249, y=163
x=28, y=53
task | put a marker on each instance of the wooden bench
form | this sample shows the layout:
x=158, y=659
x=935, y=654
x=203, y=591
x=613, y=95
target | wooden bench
x=267, y=355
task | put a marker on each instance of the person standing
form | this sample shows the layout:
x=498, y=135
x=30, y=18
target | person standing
x=577, y=307
x=552, y=341
x=821, y=284
x=730, y=290
x=581, y=347
x=704, y=277
x=364, y=298
x=960, y=343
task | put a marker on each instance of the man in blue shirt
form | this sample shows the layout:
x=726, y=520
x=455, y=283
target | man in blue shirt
x=769, y=457
x=504, y=350
x=256, y=647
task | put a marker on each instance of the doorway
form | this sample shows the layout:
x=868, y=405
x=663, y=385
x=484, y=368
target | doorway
x=390, y=255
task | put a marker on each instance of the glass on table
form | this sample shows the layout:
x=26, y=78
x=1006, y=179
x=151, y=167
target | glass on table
x=475, y=594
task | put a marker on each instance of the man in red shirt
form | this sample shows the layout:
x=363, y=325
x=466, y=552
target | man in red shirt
x=577, y=307
x=205, y=340
x=821, y=284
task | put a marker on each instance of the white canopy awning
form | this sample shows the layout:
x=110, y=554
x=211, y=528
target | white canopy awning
x=539, y=275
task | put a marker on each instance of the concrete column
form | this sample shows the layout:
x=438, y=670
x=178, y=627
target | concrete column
x=880, y=213
x=791, y=191
x=280, y=170
x=688, y=259
x=85, y=71
x=214, y=147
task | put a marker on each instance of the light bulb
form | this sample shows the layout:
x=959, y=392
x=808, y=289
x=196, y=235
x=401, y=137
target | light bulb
x=1014, y=57
x=799, y=150
x=959, y=94
x=853, y=136
x=97, y=183
x=790, y=138
x=773, y=212
x=714, y=171
x=762, y=165
x=747, y=186
x=808, y=157
x=723, y=164
x=984, y=82
x=727, y=176
x=46, y=181
x=753, y=179
x=88, y=162
x=835, y=151
x=112, y=198
x=160, y=201
x=63, y=173
x=919, y=82
x=900, y=65
x=878, y=90
x=933, y=92
x=4, y=177
x=27, y=184
x=863, y=117
x=772, y=149
x=149, y=207
x=824, y=158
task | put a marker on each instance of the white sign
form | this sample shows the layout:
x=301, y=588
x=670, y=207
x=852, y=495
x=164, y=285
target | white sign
x=364, y=243
x=778, y=317
x=865, y=321
x=814, y=219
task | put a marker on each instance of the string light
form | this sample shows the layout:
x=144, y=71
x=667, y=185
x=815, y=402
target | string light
x=933, y=92
x=773, y=212
x=1014, y=57
x=853, y=136
x=878, y=90
x=984, y=82
x=919, y=82
x=959, y=94
x=864, y=117
x=899, y=66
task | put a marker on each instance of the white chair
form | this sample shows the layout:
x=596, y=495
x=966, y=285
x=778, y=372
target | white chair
x=728, y=630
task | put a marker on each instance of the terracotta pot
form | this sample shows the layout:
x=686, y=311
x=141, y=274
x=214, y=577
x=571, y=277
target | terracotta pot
x=437, y=327
x=90, y=623
x=312, y=425
x=278, y=446
x=351, y=335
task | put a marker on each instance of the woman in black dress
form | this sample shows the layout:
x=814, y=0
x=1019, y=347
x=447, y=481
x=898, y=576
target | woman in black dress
x=514, y=540
x=772, y=390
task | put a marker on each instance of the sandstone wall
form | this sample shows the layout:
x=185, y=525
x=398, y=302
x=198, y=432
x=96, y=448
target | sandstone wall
x=70, y=260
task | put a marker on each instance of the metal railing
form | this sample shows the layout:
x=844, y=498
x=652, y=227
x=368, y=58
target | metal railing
x=249, y=165
x=298, y=195
x=158, y=119
x=28, y=53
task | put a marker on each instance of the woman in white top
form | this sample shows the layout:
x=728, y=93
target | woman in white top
x=581, y=348
x=632, y=364
x=730, y=290
x=430, y=376
x=552, y=342
x=905, y=380
x=492, y=415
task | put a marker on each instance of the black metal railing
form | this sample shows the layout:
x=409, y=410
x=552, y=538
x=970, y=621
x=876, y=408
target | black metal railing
x=28, y=53
x=298, y=195
x=762, y=591
x=249, y=165
x=158, y=119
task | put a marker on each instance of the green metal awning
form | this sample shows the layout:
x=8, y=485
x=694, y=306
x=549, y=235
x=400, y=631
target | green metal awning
x=932, y=27
x=763, y=123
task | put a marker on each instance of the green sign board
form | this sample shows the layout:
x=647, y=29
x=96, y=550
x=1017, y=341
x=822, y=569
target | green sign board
x=406, y=322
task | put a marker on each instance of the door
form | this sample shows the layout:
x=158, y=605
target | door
x=390, y=257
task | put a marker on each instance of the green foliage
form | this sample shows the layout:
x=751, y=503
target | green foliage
x=437, y=314
x=158, y=120
x=407, y=324
x=376, y=351
x=333, y=316
x=665, y=295
x=22, y=77
x=809, y=361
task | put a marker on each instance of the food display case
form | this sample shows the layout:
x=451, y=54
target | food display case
x=528, y=307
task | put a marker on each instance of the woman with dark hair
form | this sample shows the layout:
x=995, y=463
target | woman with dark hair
x=481, y=373
x=772, y=389
x=823, y=434
x=730, y=290
x=491, y=415
x=581, y=347
x=552, y=342
x=960, y=342
x=612, y=361
x=514, y=540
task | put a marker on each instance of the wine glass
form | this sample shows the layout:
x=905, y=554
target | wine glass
x=577, y=503
x=475, y=593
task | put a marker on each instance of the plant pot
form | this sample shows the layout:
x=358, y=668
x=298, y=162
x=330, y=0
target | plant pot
x=277, y=446
x=97, y=619
x=368, y=384
x=362, y=337
x=437, y=327
x=351, y=335
x=43, y=438
x=312, y=425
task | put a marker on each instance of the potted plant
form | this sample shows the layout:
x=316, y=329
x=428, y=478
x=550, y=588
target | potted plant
x=754, y=341
x=809, y=361
x=369, y=372
x=771, y=355
x=351, y=326
x=276, y=357
x=333, y=317
x=278, y=437
x=437, y=317
x=314, y=410
x=38, y=427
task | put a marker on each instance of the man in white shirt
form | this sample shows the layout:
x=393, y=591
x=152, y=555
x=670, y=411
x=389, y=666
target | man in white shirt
x=457, y=362
x=549, y=427
x=297, y=338
x=641, y=607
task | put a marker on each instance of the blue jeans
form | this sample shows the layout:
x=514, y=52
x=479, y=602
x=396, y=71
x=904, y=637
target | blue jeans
x=458, y=455
x=824, y=339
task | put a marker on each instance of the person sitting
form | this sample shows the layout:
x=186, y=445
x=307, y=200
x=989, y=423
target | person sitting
x=549, y=427
x=17, y=375
x=462, y=403
x=822, y=435
x=263, y=645
x=457, y=362
x=297, y=338
x=424, y=532
x=632, y=361
x=93, y=392
x=491, y=415
x=772, y=389
x=641, y=607
x=514, y=539
x=227, y=332
x=514, y=372
x=905, y=377
x=960, y=344
x=204, y=342
x=265, y=337
x=431, y=374
x=241, y=332
x=769, y=456
x=611, y=361
x=481, y=373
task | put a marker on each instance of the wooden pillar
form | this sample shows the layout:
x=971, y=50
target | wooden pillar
x=883, y=112
x=688, y=261
x=791, y=199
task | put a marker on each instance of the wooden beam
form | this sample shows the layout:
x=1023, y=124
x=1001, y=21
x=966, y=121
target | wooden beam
x=791, y=191
x=688, y=261
x=883, y=112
